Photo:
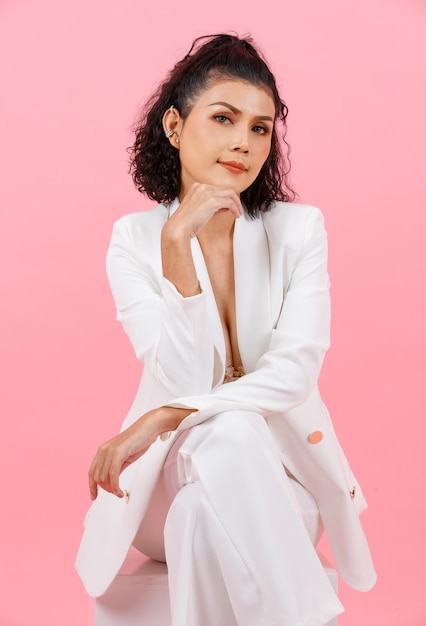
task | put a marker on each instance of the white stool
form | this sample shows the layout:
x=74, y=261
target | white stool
x=139, y=595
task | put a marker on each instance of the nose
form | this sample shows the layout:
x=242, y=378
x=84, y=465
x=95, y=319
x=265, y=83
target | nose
x=240, y=139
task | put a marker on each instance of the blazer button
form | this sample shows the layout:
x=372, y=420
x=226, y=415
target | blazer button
x=315, y=437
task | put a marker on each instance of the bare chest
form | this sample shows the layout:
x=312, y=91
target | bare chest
x=220, y=267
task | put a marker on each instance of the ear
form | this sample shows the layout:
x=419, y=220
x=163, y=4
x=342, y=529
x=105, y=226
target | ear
x=172, y=125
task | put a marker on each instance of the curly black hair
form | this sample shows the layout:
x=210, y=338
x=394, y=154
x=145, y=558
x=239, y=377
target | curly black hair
x=154, y=162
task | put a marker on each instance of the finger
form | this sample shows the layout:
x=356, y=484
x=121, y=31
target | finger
x=230, y=205
x=93, y=488
x=211, y=197
x=114, y=457
x=202, y=202
x=99, y=470
x=105, y=477
x=93, y=483
x=115, y=470
x=232, y=200
x=238, y=205
x=235, y=206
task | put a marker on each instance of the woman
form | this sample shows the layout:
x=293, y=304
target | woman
x=228, y=452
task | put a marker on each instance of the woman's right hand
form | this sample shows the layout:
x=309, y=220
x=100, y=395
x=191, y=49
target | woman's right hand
x=199, y=205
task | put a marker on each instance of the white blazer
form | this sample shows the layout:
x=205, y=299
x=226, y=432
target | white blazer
x=283, y=318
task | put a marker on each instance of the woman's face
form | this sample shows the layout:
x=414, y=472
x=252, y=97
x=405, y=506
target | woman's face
x=226, y=138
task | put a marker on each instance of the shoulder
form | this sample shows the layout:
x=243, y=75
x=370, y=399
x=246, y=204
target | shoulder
x=137, y=237
x=287, y=214
x=292, y=224
x=142, y=223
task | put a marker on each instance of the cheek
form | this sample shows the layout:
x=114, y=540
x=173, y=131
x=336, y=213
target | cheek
x=262, y=154
x=266, y=149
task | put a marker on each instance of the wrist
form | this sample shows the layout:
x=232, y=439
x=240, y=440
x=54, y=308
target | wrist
x=166, y=418
x=175, y=234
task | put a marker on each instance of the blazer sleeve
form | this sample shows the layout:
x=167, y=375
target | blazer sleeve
x=286, y=374
x=170, y=334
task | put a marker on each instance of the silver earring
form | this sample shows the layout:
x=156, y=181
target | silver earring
x=177, y=140
x=169, y=133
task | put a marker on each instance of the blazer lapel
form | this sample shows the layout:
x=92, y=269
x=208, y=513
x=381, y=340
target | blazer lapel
x=216, y=328
x=252, y=289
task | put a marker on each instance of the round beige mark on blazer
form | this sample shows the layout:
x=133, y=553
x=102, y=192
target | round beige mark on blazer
x=315, y=437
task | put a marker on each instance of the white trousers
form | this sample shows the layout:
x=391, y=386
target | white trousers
x=236, y=532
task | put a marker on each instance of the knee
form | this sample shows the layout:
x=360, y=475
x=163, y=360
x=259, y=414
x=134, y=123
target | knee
x=239, y=430
x=228, y=442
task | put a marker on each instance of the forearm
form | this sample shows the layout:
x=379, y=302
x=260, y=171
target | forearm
x=177, y=261
x=170, y=333
x=166, y=418
x=277, y=386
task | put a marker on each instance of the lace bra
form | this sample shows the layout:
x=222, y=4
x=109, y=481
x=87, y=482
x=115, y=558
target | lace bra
x=233, y=373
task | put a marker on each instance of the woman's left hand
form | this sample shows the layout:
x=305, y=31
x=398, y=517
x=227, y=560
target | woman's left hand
x=113, y=456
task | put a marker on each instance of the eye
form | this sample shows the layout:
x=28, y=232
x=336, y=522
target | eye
x=260, y=130
x=222, y=119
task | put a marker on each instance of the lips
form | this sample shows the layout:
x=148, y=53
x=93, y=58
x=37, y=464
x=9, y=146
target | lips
x=233, y=166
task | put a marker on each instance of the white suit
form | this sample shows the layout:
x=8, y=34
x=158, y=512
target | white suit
x=282, y=312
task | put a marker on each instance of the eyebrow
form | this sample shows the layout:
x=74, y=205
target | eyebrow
x=236, y=111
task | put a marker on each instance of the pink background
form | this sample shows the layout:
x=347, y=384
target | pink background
x=72, y=77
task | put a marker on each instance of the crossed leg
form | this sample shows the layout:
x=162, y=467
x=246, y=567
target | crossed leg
x=238, y=550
